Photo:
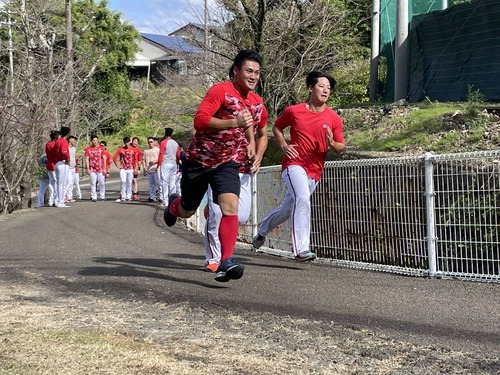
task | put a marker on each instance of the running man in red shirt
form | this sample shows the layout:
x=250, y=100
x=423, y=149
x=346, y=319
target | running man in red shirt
x=224, y=124
x=314, y=129
x=127, y=166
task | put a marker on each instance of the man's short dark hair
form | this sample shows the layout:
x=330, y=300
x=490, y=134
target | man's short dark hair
x=126, y=140
x=65, y=131
x=138, y=140
x=54, y=134
x=169, y=132
x=312, y=79
x=246, y=55
x=72, y=137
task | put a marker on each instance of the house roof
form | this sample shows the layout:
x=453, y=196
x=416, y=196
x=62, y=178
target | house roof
x=173, y=43
x=189, y=25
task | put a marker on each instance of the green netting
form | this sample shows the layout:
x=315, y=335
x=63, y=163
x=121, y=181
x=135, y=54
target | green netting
x=388, y=33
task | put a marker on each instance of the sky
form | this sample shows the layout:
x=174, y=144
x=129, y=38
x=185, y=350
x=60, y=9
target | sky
x=160, y=16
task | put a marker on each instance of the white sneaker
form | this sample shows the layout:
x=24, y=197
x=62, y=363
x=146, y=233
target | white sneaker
x=61, y=205
x=118, y=200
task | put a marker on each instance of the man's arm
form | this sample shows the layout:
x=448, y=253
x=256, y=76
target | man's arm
x=261, y=146
x=288, y=149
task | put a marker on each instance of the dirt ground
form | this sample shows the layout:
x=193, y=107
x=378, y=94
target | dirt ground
x=50, y=331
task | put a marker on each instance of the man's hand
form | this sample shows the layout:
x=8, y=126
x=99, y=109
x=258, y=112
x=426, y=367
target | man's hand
x=244, y=119
x=290, y=151
x=251, y=151
x=256, y=163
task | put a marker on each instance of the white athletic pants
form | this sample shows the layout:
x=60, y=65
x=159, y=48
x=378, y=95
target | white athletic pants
x=62, y=170
x=212, y=243
x=154, y=184
x=43, y=184
x=71, y=183
x=77, y=186
x=296, y=206
x=126, y=178
x=94, y=179
x=167, y=180
x=52, y=187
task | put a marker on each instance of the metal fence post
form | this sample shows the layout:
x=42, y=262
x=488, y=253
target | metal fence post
x=253, y=182
x=430, y=214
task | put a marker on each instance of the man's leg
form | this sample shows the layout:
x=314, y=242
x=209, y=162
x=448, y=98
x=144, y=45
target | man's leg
x=212, y=243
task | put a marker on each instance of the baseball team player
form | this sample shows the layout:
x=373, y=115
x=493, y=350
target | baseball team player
x=314, y=129
x=224, y=124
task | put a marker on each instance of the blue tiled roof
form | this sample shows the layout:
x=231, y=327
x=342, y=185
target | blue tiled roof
x=173, y=43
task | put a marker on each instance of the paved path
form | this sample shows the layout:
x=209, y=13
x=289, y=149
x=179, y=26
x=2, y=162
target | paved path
x=125, y=250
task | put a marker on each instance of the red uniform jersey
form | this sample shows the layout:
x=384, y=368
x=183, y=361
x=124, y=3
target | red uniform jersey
x=49, y=151
x=308, y=133
x=212, y=148
x=127, y=157
x=108, y=159
x=61, y=150
x=138, y=153
x=95, y=155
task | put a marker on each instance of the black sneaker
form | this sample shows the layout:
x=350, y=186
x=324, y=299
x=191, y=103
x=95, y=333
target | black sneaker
x=170, y=219
x=229, y=270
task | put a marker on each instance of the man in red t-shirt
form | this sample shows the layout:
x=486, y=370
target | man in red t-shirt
x=96, y=162
x=51, y=166
x=223, y=124
x=314, y=129
x=127, y=164
x=61, y=159
x=138, y=157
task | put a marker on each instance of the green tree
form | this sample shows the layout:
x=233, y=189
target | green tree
x=39, y=98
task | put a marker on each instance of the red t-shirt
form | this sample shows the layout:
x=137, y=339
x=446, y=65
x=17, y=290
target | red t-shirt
x=95, y=155
x=61, y=150
x=138, y=153
x=307, y=131
x=108, y=159
x=211, y=148
x=49, y=151
x=127, y=157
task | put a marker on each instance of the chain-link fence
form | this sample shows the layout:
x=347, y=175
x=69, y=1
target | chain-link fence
x=428, y=215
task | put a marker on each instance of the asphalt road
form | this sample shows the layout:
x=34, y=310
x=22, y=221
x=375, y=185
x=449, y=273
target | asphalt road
x=125, y=250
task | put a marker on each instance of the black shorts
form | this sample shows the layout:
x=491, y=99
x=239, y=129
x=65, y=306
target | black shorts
x=224, y=178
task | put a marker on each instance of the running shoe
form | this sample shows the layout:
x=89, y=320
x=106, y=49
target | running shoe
x=229, y=270
x=170, y=219
x=258, y=241
x=135, y=197
x=211, y=267
x=305, y=256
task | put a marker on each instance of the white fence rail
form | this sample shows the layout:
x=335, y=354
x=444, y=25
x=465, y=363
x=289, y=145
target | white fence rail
x=427, y=215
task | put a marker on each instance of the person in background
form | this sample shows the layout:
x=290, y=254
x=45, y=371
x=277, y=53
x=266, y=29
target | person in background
x=167, y=165
x=61, y=158
x=76, y=181
x=72, y=169
x=43, y=180
x=51, y=166
x=95, y=160
x=125, y=160
x=109, y=161
x=314, y=129
x=149, y=167
x=213, y=212
x=224, y=124
x=138, y=156
x=178, y=176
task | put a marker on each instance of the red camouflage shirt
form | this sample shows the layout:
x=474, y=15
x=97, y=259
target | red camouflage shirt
x=213, y=148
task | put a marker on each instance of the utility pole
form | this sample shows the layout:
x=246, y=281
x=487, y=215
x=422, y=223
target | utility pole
x=205, y=41
x=10, y=50
x=375, y=50
x=401, y=53
x=69, y=66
